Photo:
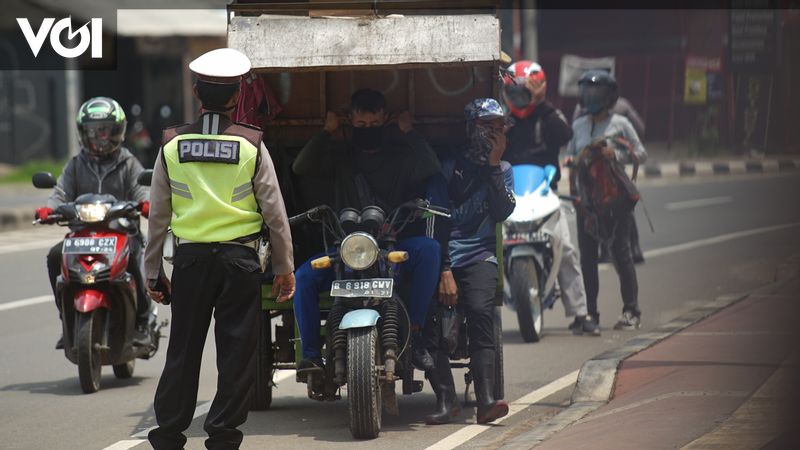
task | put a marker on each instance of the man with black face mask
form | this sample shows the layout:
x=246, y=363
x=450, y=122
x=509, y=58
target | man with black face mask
x=477, y=187
x=376, y=164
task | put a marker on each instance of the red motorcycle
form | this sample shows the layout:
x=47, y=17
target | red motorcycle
x=96, y=294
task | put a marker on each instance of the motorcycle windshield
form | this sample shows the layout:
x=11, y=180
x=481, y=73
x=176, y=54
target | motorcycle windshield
x=528, y=177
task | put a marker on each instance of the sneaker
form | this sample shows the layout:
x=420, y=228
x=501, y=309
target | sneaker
x=584, y=325
x=141, y=336
x=576, y=325
x=628, y=321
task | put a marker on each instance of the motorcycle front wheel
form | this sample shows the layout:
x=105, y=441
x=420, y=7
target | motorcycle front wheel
x=527, y=298
x=363, y=388
x=89, y=336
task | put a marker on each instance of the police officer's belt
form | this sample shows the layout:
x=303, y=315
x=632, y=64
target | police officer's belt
x=252, y=244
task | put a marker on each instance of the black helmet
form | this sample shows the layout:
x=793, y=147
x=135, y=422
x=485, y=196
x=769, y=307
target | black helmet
x=598, y=91
x=101, y=125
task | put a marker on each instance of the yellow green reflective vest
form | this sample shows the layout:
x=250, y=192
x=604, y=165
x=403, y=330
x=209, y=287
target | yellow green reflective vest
x=211, y=164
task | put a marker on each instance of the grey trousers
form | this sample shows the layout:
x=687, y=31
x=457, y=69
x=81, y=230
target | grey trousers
x=570, y=277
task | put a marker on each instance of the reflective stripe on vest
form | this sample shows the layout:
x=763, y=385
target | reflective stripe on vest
x=210, y=176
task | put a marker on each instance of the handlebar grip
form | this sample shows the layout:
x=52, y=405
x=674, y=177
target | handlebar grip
x=569, y=198
x=298, y=219
x=305, y=217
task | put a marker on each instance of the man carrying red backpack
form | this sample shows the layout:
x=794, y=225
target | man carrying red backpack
x=602, y=142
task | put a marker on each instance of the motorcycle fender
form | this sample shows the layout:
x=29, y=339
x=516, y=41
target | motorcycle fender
x=550, y=283
x=359, y=318
x=525, y=251
x=90, y=299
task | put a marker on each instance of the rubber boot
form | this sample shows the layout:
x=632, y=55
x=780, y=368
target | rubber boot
x=441, y=379
x=420, y=357
x=482, y=366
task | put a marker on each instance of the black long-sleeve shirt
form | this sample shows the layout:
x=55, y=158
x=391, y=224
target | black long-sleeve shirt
x=392, y=176
x=538, y=138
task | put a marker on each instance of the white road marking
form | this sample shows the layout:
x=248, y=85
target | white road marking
x=30, y=239
x=125, y=445
x=26, y=302
x=201, y=410
x=699, y=203
x=716, y=240
x=470, y=431
x=39, y=244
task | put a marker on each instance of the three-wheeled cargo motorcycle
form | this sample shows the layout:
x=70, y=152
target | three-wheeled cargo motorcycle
x=307, y=60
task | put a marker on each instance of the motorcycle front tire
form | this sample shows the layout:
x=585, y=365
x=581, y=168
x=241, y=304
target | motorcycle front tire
x=89, y=334
x=363, y=386
x=527, y=298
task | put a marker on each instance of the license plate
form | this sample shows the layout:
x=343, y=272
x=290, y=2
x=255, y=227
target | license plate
x=89, y=245
x=539, y=236
x=371, y=287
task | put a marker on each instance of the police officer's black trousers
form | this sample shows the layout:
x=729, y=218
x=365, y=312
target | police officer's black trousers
x=223, y=280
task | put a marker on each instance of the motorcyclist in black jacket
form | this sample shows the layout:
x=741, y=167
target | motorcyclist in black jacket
x=103, y=166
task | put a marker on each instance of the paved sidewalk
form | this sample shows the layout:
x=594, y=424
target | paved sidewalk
x=730, y=381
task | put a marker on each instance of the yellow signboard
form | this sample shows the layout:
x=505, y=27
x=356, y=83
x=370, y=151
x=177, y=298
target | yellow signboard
x=696, y=86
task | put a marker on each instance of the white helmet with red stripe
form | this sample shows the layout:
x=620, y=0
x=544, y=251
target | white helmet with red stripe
x=516, y=94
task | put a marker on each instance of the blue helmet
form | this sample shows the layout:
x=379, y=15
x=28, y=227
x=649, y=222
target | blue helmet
x=598, y=90
x=483, y=108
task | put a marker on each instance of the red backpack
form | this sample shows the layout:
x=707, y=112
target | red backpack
x=604, y=190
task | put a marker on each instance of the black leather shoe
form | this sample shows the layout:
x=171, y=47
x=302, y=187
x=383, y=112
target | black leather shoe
x=307, y=366
x=141, y=336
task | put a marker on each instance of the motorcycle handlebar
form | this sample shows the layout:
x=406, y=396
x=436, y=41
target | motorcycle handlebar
x=312, y=215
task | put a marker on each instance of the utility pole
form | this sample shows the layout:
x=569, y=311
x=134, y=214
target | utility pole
x=530, y=34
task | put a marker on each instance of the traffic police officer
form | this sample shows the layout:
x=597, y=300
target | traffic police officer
x=218, y=180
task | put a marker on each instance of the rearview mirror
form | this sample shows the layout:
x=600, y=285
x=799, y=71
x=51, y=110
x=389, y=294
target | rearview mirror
x=43, y=180
x=145, y=178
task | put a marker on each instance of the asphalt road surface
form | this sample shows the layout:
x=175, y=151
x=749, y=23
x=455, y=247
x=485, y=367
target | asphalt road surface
x=712, y=237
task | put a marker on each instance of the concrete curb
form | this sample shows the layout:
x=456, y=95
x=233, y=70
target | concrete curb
x=16, y=218
x=722, y=167
x=595, y=384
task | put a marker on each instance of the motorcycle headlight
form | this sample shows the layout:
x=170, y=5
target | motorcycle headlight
x=92, y=212
x=359, y=251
